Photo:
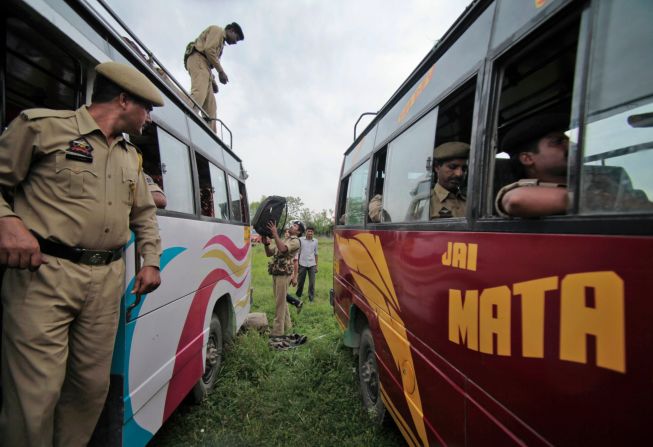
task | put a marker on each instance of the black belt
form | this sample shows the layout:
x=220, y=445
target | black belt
x=79, y=255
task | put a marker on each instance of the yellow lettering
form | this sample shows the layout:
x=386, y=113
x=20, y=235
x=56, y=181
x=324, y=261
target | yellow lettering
x=446, y=256
x=532, y=313
x=604, y=319
x=463, y=318
x=472, y=251
x=495, y=298
x=459, y=255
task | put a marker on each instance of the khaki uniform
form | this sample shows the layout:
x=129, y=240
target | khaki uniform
x=523, y=183
x=282, y=322
x=152, y=186
x=59, y=323
x=446, y=204
x=208, y=50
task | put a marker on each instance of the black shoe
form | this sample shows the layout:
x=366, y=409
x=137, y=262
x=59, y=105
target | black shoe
x=297, y=339
x=299, y=306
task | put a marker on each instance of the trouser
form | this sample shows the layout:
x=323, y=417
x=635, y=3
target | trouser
x=58, y=333
x=282, y=321
x=311, y=281
x=201, y=87
x=292, y=300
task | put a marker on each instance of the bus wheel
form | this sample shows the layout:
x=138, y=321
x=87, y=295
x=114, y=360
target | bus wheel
x=213, y=362
x=368, y=377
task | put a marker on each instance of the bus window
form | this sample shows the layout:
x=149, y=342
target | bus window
x=176, y=170
x=354, y=196
x=536, y=81
x=147, y=143
x=408, y=179
x=619, y=130
x=213, y=189
x=38, y=73
x=237, y=201
x=376, y=213
x=454, y=124
x=341, y=216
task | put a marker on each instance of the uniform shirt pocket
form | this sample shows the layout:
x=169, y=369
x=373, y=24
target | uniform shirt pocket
x=77, y=178
x=129, y=177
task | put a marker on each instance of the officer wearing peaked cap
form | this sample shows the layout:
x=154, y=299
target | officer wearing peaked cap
x=450, y=166
x=79, y=189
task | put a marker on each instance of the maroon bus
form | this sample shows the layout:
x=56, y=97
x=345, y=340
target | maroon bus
x=491, y=330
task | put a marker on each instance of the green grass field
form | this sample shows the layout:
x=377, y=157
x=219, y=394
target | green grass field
x=300, y=397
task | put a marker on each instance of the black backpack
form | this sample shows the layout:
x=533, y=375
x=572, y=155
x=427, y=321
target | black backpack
x=272, y=208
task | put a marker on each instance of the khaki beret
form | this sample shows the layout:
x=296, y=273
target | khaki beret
x=452, y=149
x=132, y=80
x=532, y=129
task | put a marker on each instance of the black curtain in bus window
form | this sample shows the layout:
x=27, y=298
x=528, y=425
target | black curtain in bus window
x=38, y=72
x=407, y=186
x=213, y=189
x=342, y=202
x=176, y=171
x=375, y=212
x=618, y=145
x=356, y=202
x=148, y=144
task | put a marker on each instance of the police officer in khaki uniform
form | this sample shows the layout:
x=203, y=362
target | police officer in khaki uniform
x=539, y=146
x=201, y=56
x=447, y=198
x=285, y=249
x=79, y=188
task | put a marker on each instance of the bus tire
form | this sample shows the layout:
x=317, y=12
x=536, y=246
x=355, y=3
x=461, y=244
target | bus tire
x=368, y=378
x=214, y=353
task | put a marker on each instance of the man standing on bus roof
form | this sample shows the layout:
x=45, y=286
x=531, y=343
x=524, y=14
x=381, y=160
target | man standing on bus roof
x=79, y=189
x=450, y=165
x=538, y=146
x=201, y=56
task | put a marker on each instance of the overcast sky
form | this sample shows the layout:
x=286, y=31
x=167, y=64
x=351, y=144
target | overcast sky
x=301, y=78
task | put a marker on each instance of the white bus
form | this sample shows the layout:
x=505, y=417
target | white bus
x=170, y=342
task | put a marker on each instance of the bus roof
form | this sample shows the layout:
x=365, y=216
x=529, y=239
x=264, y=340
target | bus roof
x=144, y=59
x=472, y=11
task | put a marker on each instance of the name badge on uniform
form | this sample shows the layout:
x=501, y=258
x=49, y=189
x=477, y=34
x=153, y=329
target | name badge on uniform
x=80, y=150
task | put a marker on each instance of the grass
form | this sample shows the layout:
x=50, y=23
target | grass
x=304, y=396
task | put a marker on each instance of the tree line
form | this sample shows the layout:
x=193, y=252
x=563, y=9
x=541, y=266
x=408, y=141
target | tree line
x=322, y=221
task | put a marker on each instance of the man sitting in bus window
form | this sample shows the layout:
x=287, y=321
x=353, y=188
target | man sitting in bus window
x=538, y=147
x=447, y=199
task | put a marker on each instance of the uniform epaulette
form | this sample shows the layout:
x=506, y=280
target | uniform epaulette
x=33, y=114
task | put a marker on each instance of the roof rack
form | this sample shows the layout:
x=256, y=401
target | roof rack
x=140, y=49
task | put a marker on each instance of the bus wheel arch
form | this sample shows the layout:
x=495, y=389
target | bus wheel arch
x=213, y=363
x=357, y=324
x=225, y=312
x=221, y=328
x=369, y=378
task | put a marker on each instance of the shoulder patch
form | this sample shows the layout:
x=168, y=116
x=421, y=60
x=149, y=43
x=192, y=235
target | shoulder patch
x=32, y=114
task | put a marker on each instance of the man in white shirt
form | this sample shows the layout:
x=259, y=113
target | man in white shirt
x=307, y=263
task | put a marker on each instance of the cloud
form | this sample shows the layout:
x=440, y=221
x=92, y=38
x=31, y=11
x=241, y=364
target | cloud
x=303, y=75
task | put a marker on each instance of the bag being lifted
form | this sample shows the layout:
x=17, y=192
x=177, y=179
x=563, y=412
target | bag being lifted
x=271, y=209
